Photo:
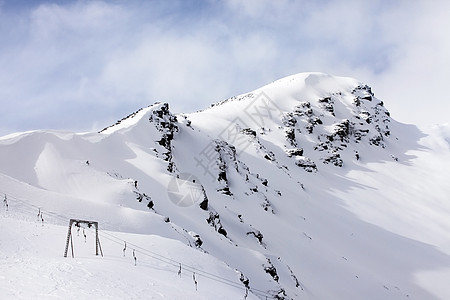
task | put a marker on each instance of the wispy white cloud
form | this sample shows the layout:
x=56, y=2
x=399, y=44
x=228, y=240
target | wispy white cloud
x=83, y=64
x=416, y=79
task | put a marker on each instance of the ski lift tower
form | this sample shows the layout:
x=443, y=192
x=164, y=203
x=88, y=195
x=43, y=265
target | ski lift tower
x=69, y=235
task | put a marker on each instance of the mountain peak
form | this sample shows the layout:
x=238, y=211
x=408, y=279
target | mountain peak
x=303, y=188
x=319, y=115
x=299, y=85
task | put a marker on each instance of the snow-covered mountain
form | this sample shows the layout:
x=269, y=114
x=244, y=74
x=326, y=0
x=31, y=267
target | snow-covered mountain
x=303, y=189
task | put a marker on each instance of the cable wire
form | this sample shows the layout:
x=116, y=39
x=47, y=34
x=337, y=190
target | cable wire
x=146, y=252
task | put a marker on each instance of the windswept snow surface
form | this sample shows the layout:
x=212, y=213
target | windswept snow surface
x=303, y=189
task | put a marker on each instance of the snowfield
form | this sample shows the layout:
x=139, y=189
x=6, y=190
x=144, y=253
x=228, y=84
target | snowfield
x=306, y=188
x=33, y=266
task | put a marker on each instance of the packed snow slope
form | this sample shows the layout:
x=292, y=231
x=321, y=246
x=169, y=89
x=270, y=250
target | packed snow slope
x=303, y=189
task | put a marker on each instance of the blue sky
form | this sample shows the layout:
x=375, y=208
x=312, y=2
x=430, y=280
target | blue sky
x=81, y=65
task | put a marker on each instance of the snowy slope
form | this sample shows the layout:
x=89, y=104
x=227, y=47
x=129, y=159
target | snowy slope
x=303, y=189
x=33, y=266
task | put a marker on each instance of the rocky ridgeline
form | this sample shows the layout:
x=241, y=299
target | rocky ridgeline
x=370, y=113
x=319, y=121
x=234, y=98
x=226, y=162
x=130, y=116
x=318, y=130
x=166, y=123
x=226, y=156
x=368, y=122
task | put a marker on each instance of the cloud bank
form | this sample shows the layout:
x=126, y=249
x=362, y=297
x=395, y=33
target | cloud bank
x=80, y=65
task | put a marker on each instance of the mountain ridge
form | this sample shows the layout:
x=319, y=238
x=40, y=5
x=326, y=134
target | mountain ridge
x=292, y=185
